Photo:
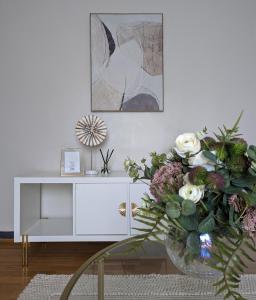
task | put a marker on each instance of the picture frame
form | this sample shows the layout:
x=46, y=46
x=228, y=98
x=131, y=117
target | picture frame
x=126, y=56
x=71, y=164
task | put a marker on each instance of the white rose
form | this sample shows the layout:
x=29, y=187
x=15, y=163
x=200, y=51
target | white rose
x=192, y=192
x=187, y=143
x=200, y=160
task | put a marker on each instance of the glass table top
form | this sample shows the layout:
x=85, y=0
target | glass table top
x=140, y=270
x=122, y=269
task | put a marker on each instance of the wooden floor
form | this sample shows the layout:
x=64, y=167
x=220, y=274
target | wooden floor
x=50, y=258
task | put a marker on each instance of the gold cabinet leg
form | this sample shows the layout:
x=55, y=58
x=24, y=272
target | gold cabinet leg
x=24, y=250
x=22, y=247
x=101, y=279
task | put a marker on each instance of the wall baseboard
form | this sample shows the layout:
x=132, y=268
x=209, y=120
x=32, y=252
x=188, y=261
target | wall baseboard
x=6, y=234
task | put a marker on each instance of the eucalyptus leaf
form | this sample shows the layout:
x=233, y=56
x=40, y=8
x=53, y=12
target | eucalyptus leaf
x=210, y=155
x=207, y=225
x=190, y=223
x=245, y=182
x=225, y=200
x=147, y=173
x=188, y=207
x=210, y=201
x=251, y=152
x=173, y=209
x=220, y=215
x=193, y=243
x=231, y=216
x=225, y=173
x=174, y=197
x=252, y=172
x=232, y=190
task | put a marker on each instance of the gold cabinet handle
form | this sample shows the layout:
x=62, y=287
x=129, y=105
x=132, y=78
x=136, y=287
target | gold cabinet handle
x=122, y=209
x=134, y=208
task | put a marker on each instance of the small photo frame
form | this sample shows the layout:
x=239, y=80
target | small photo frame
x=71, y=162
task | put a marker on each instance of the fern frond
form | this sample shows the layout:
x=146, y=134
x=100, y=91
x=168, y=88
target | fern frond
x=151, y=224
x=229, y=260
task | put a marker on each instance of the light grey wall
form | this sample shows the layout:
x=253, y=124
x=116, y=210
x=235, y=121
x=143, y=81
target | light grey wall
x=210, y=75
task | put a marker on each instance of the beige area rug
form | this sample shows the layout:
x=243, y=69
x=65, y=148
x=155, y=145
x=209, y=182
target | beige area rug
x=127, y=287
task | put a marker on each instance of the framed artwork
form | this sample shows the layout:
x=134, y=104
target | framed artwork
x=126, y=62
x=71, y=162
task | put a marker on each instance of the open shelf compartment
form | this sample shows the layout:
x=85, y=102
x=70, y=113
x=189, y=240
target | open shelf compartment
x=46, y=209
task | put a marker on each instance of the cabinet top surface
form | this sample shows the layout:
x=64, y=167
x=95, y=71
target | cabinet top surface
x=115, y=176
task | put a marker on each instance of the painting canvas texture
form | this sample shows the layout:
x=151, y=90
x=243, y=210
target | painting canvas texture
x=127, y=62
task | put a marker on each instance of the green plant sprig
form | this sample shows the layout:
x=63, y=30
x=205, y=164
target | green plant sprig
x=227, y=134
x=230, y=262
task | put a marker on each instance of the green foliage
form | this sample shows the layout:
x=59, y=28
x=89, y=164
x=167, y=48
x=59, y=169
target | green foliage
x=228, y=258
x=225, y=173
x=244, y=182
x=210, y=156
x=237, y=146
x=158, y=160
x=140, y=172
x=132, y=168
x=250, y=198
x=173, y=197
x=188, y=207
x=237, y=165
x=231, y=190
x=153, y=217
x=252, y=171
x=228, y=134
x=251, y=152
x=173, y=209
x=207, y=225
x=189, y=223
x=221, y=151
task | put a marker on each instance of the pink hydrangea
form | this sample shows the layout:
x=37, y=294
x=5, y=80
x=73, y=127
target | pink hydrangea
x=249, y=220
x=168, y=178
x=236, y=202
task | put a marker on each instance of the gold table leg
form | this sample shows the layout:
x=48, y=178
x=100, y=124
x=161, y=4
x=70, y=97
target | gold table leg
x=101, y=279
x=24, y=250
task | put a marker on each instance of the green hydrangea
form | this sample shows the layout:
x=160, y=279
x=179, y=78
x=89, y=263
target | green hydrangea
x=237, y=165
x=238, y=146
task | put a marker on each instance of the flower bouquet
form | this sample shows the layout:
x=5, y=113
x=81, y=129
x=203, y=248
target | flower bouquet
x=203, y=197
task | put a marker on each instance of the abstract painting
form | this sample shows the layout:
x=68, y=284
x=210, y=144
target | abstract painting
x=127, y=62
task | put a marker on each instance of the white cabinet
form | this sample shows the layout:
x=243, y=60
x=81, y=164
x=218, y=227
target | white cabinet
x=136, y=193
x=76, y=208
x=97, y=209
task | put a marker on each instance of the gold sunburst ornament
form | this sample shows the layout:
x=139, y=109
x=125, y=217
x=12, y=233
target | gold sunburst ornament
x=91, y=131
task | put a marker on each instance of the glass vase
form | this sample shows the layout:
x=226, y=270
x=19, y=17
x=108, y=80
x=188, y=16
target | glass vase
x=105, y=170
x=197, y=266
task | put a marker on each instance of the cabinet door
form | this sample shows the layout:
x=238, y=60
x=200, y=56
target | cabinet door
x=97, y=209
x=137, y=191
